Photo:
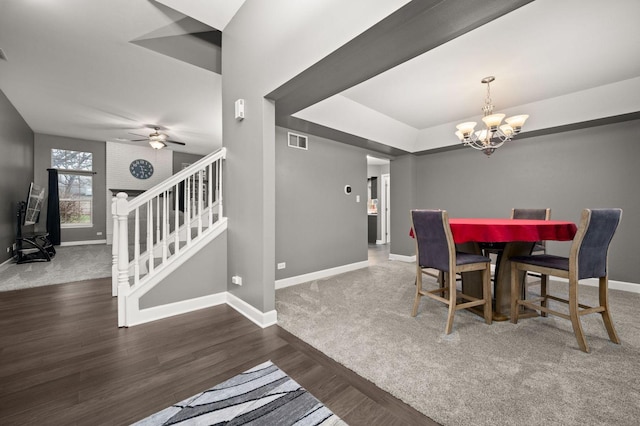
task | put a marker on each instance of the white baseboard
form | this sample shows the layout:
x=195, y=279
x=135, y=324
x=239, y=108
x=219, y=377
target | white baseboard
x=613, y=285
x=262, y=319
x=177, y=308
x=621, y=285
x=9, y=260
x=299, y=279
x=82, y=243
x=402, y=258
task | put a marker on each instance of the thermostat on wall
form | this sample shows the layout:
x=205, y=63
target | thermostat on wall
x=347, y=189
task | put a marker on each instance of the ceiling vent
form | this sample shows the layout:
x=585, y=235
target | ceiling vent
x=2, y=55
x=298, y=141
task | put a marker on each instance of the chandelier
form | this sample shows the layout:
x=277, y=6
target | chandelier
x=494, y=135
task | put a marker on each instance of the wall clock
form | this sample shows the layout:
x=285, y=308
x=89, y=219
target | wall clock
x=141, y=169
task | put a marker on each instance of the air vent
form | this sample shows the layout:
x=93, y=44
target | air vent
x=3, y=56
x=298, y=141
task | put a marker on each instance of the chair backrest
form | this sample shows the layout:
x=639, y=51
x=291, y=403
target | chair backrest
x=434, y=241
x=539, y=214
x=590, y=247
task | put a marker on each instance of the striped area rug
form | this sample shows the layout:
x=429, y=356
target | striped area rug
x=264, y=395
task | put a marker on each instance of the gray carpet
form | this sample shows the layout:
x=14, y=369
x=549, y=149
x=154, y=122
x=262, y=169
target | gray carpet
x=499, y=374
x=71, y=263
x=263, y=395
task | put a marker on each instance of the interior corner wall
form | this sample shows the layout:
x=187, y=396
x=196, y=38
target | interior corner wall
x=318, y=226
x=249, y=168
x=16, y=170
x=402, y=200
x=264, y=47
x=595, y=167
x=204, y=274
x=42, y=161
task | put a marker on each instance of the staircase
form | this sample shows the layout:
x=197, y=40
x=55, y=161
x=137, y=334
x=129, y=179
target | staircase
x=156, y=232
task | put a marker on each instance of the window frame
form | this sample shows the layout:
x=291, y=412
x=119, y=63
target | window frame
x=80, y=173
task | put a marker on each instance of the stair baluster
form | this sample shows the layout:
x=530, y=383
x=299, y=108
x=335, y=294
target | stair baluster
x=199, y=189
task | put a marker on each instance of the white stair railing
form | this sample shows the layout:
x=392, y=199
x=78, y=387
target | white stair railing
x=166, y=220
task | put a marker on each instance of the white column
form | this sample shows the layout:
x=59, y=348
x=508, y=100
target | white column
x=122, y=211
x=114, y=250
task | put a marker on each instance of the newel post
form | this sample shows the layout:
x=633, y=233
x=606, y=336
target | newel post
x=122, y=213
x=114, y=249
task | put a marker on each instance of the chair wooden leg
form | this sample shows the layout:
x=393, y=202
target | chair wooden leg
x=416, y=301
x=573, y=314
x=544, y=280
x=606, y=316
x=486, y=292
x=515, y=292
x=441, y=282
x=450, y=278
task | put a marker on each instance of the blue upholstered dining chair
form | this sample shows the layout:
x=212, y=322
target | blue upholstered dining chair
x=435, y=249
x=587, y=259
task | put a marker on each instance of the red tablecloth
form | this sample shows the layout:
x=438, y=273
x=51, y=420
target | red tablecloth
x=505, y=230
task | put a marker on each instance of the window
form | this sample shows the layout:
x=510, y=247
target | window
x=297, y=141
x=75, y=186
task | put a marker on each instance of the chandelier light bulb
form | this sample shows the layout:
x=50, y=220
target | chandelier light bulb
x=493, y=121
x=466, y=128
x=481, y=135
x=516, y=122
x=507, y=130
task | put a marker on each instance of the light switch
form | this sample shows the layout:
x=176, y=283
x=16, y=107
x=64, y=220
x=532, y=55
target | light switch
x=357, y=198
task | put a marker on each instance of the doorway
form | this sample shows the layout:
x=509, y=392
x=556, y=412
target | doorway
x=378, y=208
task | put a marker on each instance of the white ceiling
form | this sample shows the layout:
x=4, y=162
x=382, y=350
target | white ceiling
x=73, y=71
x=548, y=58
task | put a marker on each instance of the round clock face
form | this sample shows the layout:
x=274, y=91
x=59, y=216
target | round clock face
x=141, y=169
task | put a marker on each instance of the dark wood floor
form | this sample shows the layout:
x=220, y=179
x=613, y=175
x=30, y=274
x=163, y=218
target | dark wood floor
x=64, y=361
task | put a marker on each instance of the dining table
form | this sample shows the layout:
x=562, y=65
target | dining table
x=518, y=236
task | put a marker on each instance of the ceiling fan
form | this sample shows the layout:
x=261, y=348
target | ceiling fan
x=156, y=139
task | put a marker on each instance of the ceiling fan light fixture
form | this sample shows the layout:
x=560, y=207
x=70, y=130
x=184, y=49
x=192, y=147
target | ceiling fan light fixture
x=157, y=144
x=157, y=136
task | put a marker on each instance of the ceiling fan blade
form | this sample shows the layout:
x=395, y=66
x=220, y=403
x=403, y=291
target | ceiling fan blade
x=176, y=142
x=139, y=140
x=137, y=134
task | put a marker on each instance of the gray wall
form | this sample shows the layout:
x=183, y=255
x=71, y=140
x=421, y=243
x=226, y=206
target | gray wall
x=403, y=196
x=202, y=275
x=182, y=157
x=42, y=161
x=318, y=226
x=16, y=170
x=249, y=171
x=588, y=168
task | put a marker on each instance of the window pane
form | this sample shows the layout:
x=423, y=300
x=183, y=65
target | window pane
x=76, y=198
x=71, y=160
